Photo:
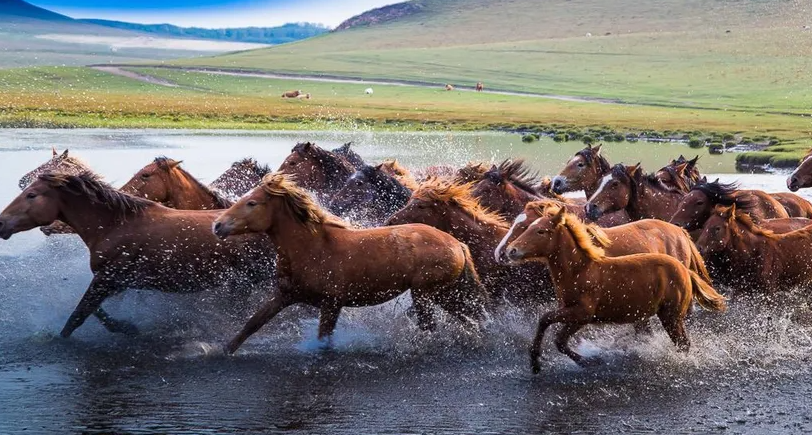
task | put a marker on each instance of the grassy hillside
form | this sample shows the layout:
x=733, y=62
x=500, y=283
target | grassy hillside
x=751, y=55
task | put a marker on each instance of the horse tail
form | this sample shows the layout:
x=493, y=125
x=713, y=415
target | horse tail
x=705, y=295
x=697, y=263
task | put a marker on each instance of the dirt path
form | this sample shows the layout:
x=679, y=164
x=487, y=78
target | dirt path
x=118, y=70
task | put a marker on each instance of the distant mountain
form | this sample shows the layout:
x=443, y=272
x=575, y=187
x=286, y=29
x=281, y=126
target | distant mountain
x=382, y=15
x=263, y=35
x=10, y=9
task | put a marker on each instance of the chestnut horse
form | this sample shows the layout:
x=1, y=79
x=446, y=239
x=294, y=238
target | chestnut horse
x=137, y=243
x=584, y=172
x=240, y=178
x=165, y=182
x=472, y=172
x=592, y=287
x=393, y=168
x=347, y=153
x=794, y=205
x=451, y=207
x=292, y=94
x=760, y=259
x=642, y=196
x=644, y=236
x=371, y=194
x=801, y=177
x=63, y=164
x=325, y=263
x=680, y=174
x=696, y=207
x=506, y=188
x=317, y=169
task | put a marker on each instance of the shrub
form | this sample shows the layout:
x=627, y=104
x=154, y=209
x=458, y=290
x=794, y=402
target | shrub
x=527, y=138
x=618, y=137
x=560, y=137
x=696, y=143
x=716, y=148
x=774, y=142
x=574, y=135
x=588, y=140
x=727, y=137
x=730, y=144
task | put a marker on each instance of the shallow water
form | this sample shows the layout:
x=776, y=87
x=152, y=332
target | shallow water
x=748, y=371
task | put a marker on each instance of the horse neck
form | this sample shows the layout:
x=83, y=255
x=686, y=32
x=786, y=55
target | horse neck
x=293, y=240
x=188, y=194
x=650, y=203
x=481, y=237
x=91, y=220
x=568, y=261
x=747, y=244
x=590, y=190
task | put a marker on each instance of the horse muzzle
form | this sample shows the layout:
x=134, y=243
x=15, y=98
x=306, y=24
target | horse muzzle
x=793, y=184
x=221, y=230
x=593, y=212
x=6, y=228
x=558, y=185
x=513, y=254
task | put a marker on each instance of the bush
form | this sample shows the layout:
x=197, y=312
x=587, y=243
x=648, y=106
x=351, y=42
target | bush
x=560, y=138
x=774, y=142
x=716, y=148
x=730, y=144
x=618, y=137
x=696, y=143
x=574, y=135
x=527, y=138
x=588, y=140
x=728, y=137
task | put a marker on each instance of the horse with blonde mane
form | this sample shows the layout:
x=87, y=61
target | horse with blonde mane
x=135, y=243
x=393, y=168
x=594, y=288
x=451, y=207
x=759, y=259
x=164, y=181
x=327, y=264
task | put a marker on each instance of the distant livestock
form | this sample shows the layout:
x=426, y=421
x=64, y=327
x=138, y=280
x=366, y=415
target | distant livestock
x=369, y=91
x=303, y=96
x=480, y=87
x=292, y=94
x=449, y=88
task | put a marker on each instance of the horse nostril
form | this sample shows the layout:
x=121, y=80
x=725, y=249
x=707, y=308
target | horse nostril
x=217, y=226
x=2, y=224
x=512, y=252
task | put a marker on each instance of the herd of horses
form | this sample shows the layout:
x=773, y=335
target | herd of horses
x=329, y=230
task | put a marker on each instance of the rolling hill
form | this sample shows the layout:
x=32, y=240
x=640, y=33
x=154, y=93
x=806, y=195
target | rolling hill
x=720, y=54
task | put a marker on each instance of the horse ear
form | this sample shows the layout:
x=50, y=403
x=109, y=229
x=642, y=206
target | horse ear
x=730, y=213
x=597, y=150
x=174, y=163
x=634, y=171
x=65, y=154
x=704, y=180
x=561, y=217
x=692, y=162
x=53, y=152
x=681, y=168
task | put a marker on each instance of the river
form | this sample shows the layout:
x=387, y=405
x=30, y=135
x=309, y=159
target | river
x=748, y=370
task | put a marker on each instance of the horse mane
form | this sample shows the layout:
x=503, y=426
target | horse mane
x=725, y=194
x=383, y=179
x=333, y=163
x=747, y=222
x=472, y=171
x=684, y=184
x=551, y=207
x=345, y=151
x=259, y=169
x=603, y=165
x=91, y=186
x=582, y=236
x=438, y=189
x=399, y=172
x=299, y=202
x=518, y=173
x=167, y=164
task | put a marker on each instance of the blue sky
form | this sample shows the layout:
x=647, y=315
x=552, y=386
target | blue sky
x=214, y=13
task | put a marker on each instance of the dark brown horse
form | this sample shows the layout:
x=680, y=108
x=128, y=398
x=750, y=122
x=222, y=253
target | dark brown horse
x=316, y=169
x=794, y=205
x=680, y=174
x=696, y=207
x=399, y=172
x=759, y=259
x=59, y=163
x=136, y=243
x=325, y=263
x=240, y=178
x=347, y=153
x=592, y=288
x=644, y=236
x=165, y=182
x=584, y=171
x=472, y=172
x=371, y=195
x=506, y=188
x=801, y=177
x=641, y=196
x=451, y=207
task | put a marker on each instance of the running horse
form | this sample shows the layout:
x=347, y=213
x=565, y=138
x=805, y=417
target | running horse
x=325, y=263
x=166, y=182
x=318, y=170
x=242, y=176
x=801, y=177
x=63, y=164
x=135, y=243
x=759, y=259
x=679, y=174
x=506, y=188
x=452, y=208
x=371, y=194
x=641, y=195
x=347, y=153
x=592, y=287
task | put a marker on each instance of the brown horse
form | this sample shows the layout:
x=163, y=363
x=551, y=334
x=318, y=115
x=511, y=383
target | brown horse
x=644, y=236
x=480, y=87
x=641, y=196
x=506, y=188
x=472, y=172
x=393, y=168
x=680, y=174
x=371, y=195
x=136, y=243
x=165, y=182
x=59, y=163
x=801, y=177
x=760, y=259
x=325, y=263
x=347, y=153
x=317, y=169
x=592, y=287
x=240, y=178
x=794, y=205
x=292, y=94
x=584, y=172
x=451, y=207
x=696, y=207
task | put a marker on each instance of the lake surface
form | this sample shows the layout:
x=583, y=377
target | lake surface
x=748, y=371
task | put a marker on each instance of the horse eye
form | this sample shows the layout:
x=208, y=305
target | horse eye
x=700, y=203
x=145, y=175
x=31, y=195
x=251, y=203
x=581, y=165
x=716, y=230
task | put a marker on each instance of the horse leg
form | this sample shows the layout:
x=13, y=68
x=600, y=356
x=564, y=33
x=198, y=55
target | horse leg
x=113, y=325
x=642, y=327
x=423, y=310
x=271, y=308
x=570, y=315
x=96, y=293
x=328, y=318
x=675, y=327
x=562, y=344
